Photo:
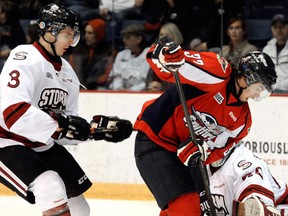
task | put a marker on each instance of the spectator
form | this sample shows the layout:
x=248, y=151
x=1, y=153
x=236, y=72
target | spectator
x=277, y=48
x=171, y=30
x=120, y=9
x=11, y=32
x=154, y=13
x=32, y=32
x=85, y=9
x=94, y=57
x=238, y=43
x=153, y=83
x=28, y=9
x=202, y=19
x=130, y=68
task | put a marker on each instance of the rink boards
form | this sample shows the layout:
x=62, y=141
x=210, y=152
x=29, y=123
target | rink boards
x=111, y=166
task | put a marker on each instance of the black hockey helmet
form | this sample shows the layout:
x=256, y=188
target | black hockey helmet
x=257, y=67
x=54, y=18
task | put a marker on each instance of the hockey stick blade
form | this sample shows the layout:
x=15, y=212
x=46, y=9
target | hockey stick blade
x=103, y=130
x=201, y=167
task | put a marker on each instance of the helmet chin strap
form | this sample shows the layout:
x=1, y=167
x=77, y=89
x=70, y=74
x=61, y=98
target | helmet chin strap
x=53, y=49
x=240, y=88
x=52, y=45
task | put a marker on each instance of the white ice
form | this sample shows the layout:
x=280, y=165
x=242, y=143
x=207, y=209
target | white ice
x=13, y=206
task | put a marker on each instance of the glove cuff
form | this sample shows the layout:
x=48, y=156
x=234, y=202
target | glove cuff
x=59, y=134
x=63, y=122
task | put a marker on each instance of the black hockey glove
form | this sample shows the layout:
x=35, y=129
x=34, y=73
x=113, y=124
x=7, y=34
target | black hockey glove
x=74, y=127
x=169, y=54
x=110, y=128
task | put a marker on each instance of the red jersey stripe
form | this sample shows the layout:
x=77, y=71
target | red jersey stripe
x=12, y=113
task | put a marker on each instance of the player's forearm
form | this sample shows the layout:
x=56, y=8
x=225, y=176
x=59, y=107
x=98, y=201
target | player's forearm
x=35, y=125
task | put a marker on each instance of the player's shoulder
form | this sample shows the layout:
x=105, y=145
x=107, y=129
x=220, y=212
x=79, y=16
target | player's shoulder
x=28, y=48
x=24, y=53
x=209, y=62
x=243, y=160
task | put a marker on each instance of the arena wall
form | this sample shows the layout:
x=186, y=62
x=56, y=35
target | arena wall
x=111, y=166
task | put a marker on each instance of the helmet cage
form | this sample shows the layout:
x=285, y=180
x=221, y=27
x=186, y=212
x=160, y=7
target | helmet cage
x=255, y=78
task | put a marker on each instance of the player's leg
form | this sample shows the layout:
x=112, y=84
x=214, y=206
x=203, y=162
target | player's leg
x=78, y=205
x=50, y=194
x=168, y=179
x=163, y=213
x=187, y=204
x=24, y=172
x=73, y=176
x=62, y=210
x=182, y=206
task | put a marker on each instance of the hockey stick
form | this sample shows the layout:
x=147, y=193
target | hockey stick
x=103, y=130
x=201, y=167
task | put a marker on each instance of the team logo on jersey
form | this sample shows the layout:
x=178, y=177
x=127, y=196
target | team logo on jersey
x=49, y=75
x=231, y=114
x=243, y=164
x=20, y=55
x=42, y=25
x=82, y=179
x=205, y=125
x=223, y=62
x=53, y=98
x=219, y=98
x=219, y=204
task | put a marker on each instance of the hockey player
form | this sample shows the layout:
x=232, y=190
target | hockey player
x=216, y=97
x=38, y=104
x=241, y=184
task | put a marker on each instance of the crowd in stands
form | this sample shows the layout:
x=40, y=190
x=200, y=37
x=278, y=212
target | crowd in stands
x=116, y=35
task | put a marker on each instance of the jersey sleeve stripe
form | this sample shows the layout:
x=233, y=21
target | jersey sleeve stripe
x=256, y=189
x=28, y=143
x=12, y=113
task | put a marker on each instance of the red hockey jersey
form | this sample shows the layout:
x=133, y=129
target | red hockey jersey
x=217, y=116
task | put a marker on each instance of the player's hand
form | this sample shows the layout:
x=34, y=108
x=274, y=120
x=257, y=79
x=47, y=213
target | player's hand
x=255, y=204
x=72, y=127
x=169, y=54
x=190, y=154
x=110, y=128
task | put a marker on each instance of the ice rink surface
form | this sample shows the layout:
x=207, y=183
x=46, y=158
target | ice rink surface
x=13, y=206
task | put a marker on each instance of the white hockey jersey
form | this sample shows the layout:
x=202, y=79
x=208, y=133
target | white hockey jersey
x=243, y=174
x=31, y=81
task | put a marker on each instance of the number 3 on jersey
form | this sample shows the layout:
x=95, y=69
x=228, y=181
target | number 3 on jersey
x=14, y=82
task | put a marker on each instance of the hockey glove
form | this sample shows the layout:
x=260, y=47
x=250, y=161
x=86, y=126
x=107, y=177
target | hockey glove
x=74, y=127
x=190, y=154
x=254, y=206
x=110, y=128
x=169, y=54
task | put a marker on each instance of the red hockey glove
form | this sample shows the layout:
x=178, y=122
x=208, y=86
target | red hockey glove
x=110, y=128
x=190, y=154
x=169, y=54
